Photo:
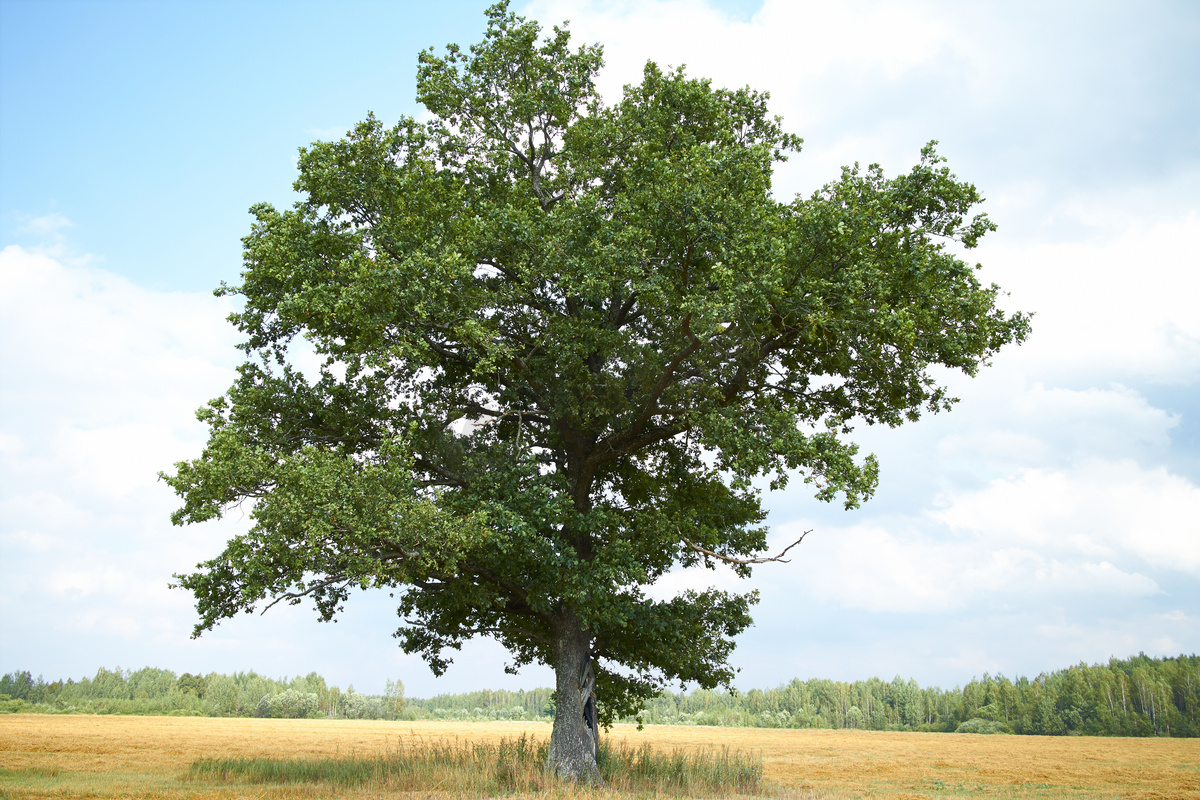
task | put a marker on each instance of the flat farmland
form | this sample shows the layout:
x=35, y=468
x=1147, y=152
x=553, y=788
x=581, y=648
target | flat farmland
x=118, y=757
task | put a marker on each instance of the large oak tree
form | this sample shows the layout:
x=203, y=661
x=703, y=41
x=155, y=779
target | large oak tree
x=560, y=340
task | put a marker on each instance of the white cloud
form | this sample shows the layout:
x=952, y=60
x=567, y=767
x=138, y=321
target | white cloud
x=1102, y=576
x=902, y=569
x=902, y=566
x=29, y=541
x=45, y=509
x=46, y=224
x=872, y=567
x=101, y=381
x=697, y=579
x=1116, y=300
x=107, y=622
x=1110, y=510
x=118, y=459
x=1005, y=421
x=791, y=40
x=10, y=444
x=103, y=376
x=94, y=579
x=1167, y=645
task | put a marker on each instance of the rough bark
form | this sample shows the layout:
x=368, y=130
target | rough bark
x=574, y=737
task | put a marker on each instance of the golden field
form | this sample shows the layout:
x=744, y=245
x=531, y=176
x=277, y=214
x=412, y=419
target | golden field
x=118, y=757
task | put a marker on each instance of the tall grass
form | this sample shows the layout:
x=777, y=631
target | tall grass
x=511, y=766
x=707, y=771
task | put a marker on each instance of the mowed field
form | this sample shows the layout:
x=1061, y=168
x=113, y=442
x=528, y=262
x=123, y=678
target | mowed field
x=111, y=757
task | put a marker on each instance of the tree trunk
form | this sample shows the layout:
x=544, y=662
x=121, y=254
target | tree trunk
x=574, y=737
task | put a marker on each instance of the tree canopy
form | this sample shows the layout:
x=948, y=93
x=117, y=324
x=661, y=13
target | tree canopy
x=558, y=342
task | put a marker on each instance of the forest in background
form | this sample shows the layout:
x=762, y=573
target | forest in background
x=1138, y=696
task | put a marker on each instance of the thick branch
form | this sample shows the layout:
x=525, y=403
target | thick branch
x=449, y=478
x=621, y=315
x=640, y=442
x=443, y=351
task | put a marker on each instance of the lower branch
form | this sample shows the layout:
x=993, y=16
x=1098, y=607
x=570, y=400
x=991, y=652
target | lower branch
x=745, y=561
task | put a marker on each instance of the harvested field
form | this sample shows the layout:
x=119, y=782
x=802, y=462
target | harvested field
x=110, y=757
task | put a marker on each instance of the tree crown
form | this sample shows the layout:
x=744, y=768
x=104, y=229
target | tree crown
x=558, y=342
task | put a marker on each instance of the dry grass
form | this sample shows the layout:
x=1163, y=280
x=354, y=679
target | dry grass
x=111, y=757
x=943, y=765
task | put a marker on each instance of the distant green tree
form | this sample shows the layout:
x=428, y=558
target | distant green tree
x=353, y=705
x=312, y=683
x=394, y=698
x=18, y=685
x=108, y=685
x=221, y=696
x=288, y=704
x=151, y=682
x=981, y=725
x=192, y=684
x=1044, y=718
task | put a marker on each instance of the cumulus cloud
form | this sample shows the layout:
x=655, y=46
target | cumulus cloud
x=1100, y=509
x=1006, y=422
x=791, y=40
x=102, y=377
x=908, y=568
x=45, y=224
x=1115, y=300
x=88, y=350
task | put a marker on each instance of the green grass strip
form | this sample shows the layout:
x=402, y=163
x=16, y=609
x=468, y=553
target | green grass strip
x=512, y=765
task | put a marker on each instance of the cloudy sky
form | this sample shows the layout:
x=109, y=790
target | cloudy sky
x=1051, y=518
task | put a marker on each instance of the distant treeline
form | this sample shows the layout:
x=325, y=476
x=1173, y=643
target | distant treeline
x=1139, y=696
x=160, y=691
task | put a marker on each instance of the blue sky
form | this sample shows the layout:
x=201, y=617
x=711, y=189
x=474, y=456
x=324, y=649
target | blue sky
x=1050, y=518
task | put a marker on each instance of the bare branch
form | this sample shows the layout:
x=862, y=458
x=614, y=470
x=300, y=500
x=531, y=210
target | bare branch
x=732, y=560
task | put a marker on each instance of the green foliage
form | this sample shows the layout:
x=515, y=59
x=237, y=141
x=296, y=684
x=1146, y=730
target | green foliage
x=238, y=695
x=983, y=726
x=12, y=705
x=155, y=691
x=394, y=698
x=1134, y=697
x=559, y=340
x=192, y=684
x=20, y=686
x=353, y=705
x=483, y=705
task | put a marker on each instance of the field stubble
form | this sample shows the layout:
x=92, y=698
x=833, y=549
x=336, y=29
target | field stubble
x=111, y=756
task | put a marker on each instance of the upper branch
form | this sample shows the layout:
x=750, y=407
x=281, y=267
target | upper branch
x=619, y=441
